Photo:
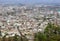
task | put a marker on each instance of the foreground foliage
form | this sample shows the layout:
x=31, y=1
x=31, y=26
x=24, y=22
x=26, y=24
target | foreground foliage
x=14, y=38
x=51, y=33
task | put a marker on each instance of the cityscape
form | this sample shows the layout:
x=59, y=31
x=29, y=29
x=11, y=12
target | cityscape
x=24, y=21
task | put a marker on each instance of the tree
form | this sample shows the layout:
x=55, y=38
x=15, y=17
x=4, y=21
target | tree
x=52, y=32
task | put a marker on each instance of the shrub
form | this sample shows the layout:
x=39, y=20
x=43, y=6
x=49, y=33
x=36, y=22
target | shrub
x=40, y=37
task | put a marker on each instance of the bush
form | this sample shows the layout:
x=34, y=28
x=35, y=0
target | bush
x=40, y=37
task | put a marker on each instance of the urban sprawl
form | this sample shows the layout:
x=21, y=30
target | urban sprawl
x=29, y=19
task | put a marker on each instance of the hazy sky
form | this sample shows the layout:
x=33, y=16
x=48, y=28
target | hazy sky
x=29, y=1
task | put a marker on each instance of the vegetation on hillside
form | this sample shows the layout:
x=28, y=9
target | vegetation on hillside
x=51, y=33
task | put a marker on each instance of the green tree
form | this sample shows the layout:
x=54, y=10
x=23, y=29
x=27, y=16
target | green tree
x=52, y=32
